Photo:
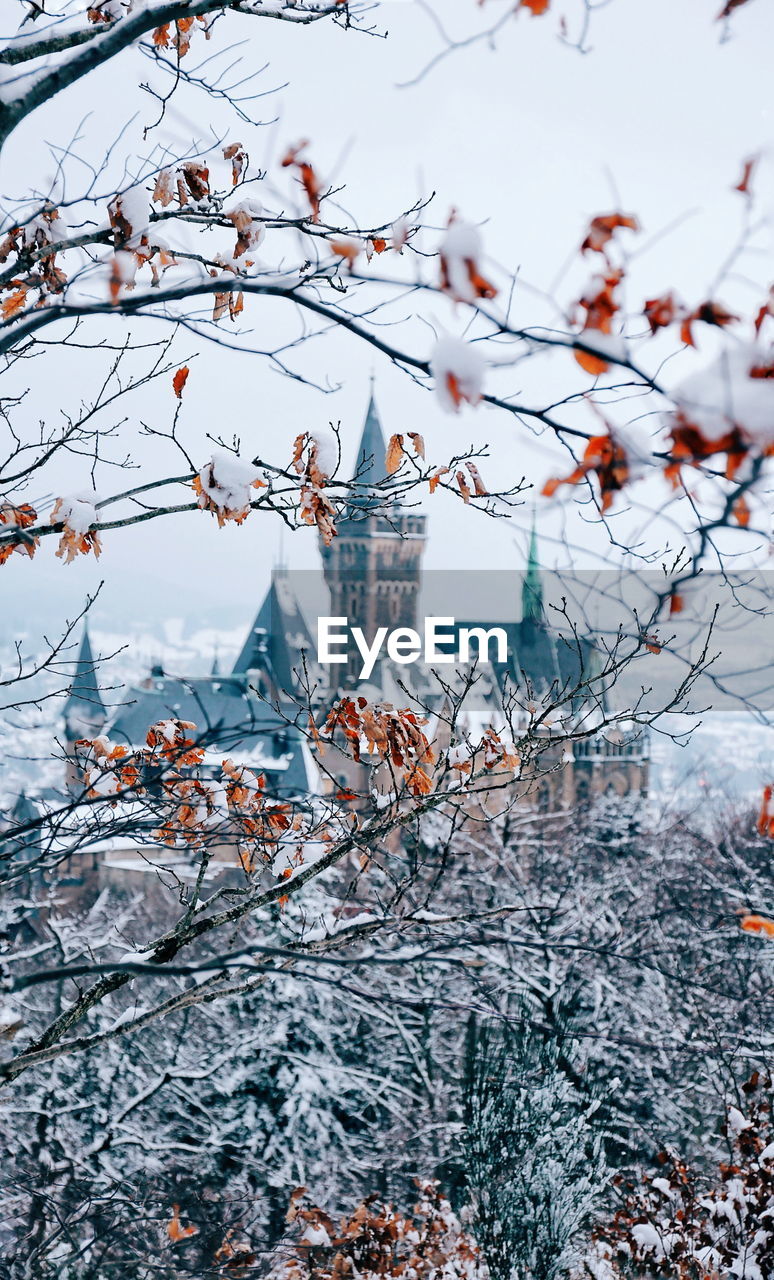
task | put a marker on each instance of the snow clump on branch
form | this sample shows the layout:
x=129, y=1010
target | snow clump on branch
x=458, y=370
x=224, y=485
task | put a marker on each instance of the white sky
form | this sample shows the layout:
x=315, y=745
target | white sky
x=531, y=139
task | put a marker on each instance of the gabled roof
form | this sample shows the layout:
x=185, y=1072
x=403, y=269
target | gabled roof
x=276, y=638
x=85, y=700
x=229, y=720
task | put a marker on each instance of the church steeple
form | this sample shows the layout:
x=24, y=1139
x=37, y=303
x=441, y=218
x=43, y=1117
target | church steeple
x=373, y=567
x=532, y=586
x=84, y=710
x=370, y=462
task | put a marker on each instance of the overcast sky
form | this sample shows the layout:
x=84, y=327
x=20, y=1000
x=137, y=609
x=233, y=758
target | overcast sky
x=530, y=139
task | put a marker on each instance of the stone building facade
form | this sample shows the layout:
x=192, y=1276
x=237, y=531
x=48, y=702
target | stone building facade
x=373, y=572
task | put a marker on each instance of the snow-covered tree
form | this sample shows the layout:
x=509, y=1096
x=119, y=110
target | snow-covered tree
x=683, y=1222
x=533, y=1156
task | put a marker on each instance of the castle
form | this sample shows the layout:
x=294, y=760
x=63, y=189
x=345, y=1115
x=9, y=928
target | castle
x=373, y=572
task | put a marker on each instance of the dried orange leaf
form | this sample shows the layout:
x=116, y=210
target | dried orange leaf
x=175, y=1230
x=14, y=303
x=602, y=229
x=435, y=478
x=757, y=924
x=464, y=487
x=394, y=455
x=478, y=484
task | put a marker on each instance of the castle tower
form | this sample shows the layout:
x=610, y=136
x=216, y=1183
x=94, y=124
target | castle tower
x=84, y=712
x=372, y=568
x=532, y=586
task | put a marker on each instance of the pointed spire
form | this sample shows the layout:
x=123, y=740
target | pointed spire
x=372, y=451
x=275, y=638
x=280, y=566
x=532, y=587
x=84, y=704
x=23, y=809
x=370, y=467
x=215, y=670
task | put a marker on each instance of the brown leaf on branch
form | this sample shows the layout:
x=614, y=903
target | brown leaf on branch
x=76, y=515
x=767, y=309
x=708, y=313
x=298, y=448
x=231, y=301
x=606, y=458
x=536, y=7
x=314, y=504
x=463, y=487
x=164, y=190
x=196, y=177
x=419, y=781
x=766, y=817
x=602, y=229
x=496, y=754
x=10, y=244
x=236, y=153
x=183, y=32
x=729, y=7
x=748, y=168
x=394, y=455
x=235, y=1257
x=601, y=307
x=313, y=470
x=108, y=768
x=461, y=276
x=224, y=487
x=418, y=443
x=757, y=924
x=478, y=484
x=179, y=381
x=662, y=311
x=308, y=178
x=435, y=478
x=249, y=226
x=315, y=508
x=18, y=517
x=14, y=303
x=171, y=740
x=393, y=735
x=691, y=447
x=175, y=1229
x=347, y=248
